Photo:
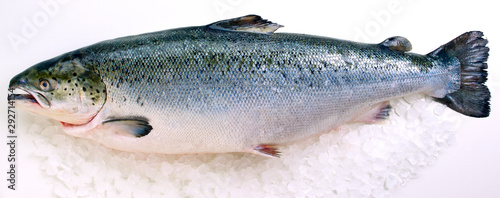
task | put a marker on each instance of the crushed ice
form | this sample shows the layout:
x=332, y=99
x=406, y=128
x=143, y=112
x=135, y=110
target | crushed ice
x=353, y=161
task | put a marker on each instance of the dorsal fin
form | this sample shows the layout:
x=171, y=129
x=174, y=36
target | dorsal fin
x=398, y=43
x=248, y=23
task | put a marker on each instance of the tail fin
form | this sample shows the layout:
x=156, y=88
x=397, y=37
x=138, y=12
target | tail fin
x=473, y=97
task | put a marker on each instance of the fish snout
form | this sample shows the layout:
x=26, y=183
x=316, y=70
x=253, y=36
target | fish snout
x=21, y=83
x=18, y=81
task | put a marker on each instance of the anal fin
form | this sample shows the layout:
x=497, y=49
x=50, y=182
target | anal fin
x=266, y=150
x=133, y=127
x=377, y=114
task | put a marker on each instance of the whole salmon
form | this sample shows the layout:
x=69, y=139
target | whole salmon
x=236, y=86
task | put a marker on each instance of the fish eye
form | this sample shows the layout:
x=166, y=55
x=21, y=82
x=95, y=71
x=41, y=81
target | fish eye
x=45, y=85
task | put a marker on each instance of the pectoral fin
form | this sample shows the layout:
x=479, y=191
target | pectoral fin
x=133, y=127
x=249, y=23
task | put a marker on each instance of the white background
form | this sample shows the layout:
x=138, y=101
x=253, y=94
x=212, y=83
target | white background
x=33, y=31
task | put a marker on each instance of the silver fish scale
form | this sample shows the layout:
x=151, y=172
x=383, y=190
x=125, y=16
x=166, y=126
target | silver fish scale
x=251, y=88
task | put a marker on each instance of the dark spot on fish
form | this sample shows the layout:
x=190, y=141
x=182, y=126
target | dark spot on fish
x=83, y=79
x=142, y=104
x=84, y=89
x=74, y=74
x=65, y=89
x=69, y=94
x=72, y=89
x=69, y=81
x=93, y=99
x=93, y=104
x=54, y=78
x=76, y=84
x=50, y=73
x=283, y=74
x=269, y=61
x=91, y=93
x=124, y=99
x=51, y=93
x=97, y=90
x=257, y=65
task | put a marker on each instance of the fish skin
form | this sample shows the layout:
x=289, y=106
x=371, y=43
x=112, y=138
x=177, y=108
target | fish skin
x=204, y=89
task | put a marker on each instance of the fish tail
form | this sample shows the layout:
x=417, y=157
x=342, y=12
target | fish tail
x=473, y=97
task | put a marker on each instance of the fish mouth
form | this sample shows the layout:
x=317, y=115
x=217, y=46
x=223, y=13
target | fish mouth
x=31, y=97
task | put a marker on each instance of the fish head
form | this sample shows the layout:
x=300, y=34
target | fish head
x=60, y=88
